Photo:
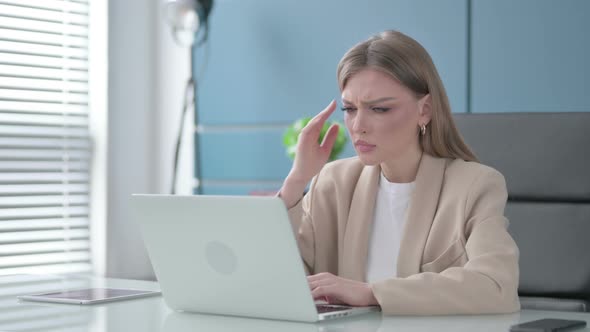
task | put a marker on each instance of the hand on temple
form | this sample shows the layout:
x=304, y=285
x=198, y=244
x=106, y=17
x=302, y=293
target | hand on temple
x=310, y=155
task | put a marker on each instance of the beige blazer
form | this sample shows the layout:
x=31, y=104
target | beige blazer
x=456, y=256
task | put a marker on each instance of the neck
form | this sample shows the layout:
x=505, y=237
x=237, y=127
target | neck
x=402, y=169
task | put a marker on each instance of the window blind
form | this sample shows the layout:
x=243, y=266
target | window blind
x=45, y=145
x=15, y=316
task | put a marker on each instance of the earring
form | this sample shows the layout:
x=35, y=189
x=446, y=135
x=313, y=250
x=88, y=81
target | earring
x=423, y=129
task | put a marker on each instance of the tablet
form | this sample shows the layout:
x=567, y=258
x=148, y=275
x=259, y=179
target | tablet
x=89, y=295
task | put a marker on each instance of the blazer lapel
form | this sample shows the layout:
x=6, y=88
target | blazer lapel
x=420, y=214
x=353, y=260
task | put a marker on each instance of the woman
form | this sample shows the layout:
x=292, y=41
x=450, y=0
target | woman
x=413, y=223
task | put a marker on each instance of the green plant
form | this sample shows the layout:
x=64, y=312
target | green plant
x=293, y=131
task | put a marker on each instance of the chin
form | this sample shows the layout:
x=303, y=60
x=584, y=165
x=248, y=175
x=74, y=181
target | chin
x=368, y=161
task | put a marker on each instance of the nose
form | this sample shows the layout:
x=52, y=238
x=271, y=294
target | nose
x=359, y=123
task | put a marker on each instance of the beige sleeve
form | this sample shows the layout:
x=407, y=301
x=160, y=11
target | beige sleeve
x=487, y=283
x=300, y=218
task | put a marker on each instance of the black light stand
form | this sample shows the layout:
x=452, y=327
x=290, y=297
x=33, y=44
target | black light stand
x=186, y=17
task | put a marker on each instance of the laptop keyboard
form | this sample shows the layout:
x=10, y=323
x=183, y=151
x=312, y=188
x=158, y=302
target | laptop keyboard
x=323, y=308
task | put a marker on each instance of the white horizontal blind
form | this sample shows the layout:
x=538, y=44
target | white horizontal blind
x=45, y=147
x=15, y=316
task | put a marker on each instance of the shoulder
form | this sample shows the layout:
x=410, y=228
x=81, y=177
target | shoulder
x=478, y=187
x=470, y=173
x=475, y=189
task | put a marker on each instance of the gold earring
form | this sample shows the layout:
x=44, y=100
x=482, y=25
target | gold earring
x=423, y=129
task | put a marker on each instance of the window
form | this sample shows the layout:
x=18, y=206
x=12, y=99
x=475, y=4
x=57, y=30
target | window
x=45, y=143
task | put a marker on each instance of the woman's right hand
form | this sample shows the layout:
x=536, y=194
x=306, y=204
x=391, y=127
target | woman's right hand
x=310, y=155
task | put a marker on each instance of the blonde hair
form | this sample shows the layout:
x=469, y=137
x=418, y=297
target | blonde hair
x=408, y=62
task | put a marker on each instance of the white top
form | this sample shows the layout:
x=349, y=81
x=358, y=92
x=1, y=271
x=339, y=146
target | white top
x=392, y=202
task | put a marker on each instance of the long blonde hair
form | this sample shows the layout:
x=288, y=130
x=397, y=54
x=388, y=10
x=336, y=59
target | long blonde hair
x=408, y=62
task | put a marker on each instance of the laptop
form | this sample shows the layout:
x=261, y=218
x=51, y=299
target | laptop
x=229, y=255
x=175, y=321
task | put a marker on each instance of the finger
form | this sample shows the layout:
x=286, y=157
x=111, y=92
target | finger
x=331, y=291
x=331, y=294
x=318, y=276
x=311, y=132
x=332, y=300
x=321, y=282
x=321, y=117
x=330, y=138
x=326, y=112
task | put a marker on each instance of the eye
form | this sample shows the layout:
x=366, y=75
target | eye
x=348, y=109
x=380, y=109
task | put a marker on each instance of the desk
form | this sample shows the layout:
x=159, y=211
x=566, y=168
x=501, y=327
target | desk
x=152, y=314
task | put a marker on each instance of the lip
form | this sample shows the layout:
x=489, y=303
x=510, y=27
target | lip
x=363, y=146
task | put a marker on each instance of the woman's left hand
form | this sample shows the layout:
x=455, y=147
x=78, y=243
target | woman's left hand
x=340, y=290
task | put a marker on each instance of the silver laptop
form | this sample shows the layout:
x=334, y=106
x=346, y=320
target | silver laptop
x=229, y=255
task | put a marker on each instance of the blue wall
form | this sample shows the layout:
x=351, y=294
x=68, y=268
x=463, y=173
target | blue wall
x=530, y=56
x=270, y=62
